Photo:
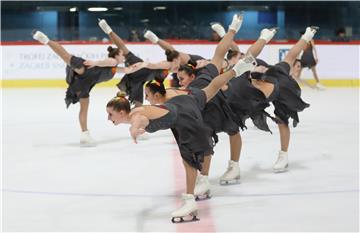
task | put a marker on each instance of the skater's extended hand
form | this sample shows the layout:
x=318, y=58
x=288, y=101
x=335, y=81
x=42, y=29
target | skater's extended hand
x=135, y=132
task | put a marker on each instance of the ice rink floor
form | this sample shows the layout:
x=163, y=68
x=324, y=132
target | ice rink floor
x=51, y=184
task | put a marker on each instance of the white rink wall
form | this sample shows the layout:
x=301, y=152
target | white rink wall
x=28, y=62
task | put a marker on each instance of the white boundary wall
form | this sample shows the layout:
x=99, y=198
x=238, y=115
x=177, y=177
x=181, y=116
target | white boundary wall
x=39, y=62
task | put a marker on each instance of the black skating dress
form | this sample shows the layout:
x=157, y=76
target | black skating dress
x=307, y=58
x=249, y=102
x=185, y=121
x=133, y=84
x=286, y=96
x=217, y=113
x=81, y=85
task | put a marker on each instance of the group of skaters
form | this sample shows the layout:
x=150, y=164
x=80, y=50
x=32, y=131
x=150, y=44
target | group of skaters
x=208, y=96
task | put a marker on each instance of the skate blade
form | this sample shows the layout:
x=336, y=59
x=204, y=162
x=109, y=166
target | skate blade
x=230, y=182
x=320, y=88
x=87, y=144
x=203, y=197
x=274, y=28
x=33, y=32
x=281, y=170
x=315, y=28
x=143, y=137
x=182, y=220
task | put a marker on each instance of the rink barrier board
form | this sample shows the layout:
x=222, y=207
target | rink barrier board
x=30, y=64
x=80, y=42
x=112, y=83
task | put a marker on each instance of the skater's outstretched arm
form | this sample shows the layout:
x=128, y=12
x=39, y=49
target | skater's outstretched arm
x=163, y=65
x=108, y=62
x=139, y=119
x=113, y=36
x=138, y=124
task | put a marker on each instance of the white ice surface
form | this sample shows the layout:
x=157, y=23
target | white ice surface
x=51, y=184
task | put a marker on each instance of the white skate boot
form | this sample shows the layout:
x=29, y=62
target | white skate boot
x=268, y=34
x=248, y=63
x=309, y=33
x=104, y=26
x=188, y=209
x=319, y=86
x=86, y=140
x=151, y=36
x=202, y=188
x=232, y=173
x=281, y=163
x=41, y=37
x=236, y=22
x=218, y=28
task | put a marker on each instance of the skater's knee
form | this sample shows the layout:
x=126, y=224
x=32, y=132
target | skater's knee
x=80, y=71
x=283, y=126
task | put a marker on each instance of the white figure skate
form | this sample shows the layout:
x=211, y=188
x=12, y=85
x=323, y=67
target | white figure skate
x=268, y=34
x=86, y=140
x=248, y=63
x=281, y=163
x=188, y=209
x=232, y=174
x=41, y=37
x=202, y=188
x=218, y=28
x=151, y=36
x=309, y=33
x=236, y=22
x=104, y=26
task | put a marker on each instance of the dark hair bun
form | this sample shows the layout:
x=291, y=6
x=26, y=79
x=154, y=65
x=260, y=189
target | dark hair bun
x=109, y=49
x=168, y=52
x=171, y=54
x=159, y=79
x=231, y=53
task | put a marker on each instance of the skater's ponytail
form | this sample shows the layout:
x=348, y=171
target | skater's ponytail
x=119, y=103
x=113, y=51
x=156, y=86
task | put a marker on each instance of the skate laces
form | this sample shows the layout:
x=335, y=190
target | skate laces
x=249, y=59
x=199, y=180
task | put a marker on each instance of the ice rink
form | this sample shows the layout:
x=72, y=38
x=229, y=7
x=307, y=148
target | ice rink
x=51, y=184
